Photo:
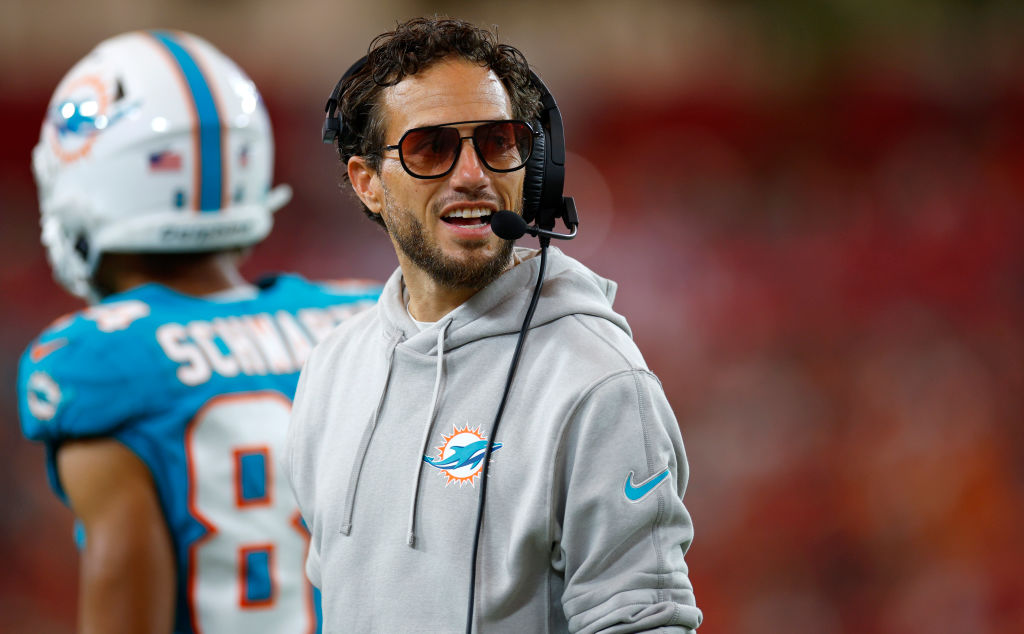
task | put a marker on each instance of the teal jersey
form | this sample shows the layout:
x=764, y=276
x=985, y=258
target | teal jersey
x=200, y=390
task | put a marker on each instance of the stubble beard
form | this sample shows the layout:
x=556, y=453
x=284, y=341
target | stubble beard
x=475, y=272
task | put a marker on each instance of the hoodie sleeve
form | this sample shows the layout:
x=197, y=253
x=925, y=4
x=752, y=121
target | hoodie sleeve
x=624, y=530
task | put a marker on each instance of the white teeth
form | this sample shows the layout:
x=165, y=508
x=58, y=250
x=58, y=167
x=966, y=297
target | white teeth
x=468, y=213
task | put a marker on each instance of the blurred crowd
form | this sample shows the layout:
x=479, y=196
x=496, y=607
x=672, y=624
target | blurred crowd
x=825, y=267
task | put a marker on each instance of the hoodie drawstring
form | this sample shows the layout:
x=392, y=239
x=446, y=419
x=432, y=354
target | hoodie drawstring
x=364, y=443
x=439, y=374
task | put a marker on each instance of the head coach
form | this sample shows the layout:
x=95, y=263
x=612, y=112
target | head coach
x=424, y=514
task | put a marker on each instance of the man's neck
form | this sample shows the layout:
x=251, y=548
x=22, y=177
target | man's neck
x=203, y=275
x=428, y=300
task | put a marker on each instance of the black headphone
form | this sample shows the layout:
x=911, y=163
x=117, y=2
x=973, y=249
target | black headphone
x=543, y=201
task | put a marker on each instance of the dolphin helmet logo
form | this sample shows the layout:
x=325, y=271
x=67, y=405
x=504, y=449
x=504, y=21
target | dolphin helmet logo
x=84, y=109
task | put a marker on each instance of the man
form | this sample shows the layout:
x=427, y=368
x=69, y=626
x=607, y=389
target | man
x=163, y=406
x=585, y=529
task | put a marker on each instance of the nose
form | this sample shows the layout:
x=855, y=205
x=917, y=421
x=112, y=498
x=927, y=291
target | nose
x=469, y=170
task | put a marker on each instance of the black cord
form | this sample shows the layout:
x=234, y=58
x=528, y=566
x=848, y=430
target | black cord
x=544, y=242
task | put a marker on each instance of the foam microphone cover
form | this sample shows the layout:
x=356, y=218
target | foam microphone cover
x=508, y=225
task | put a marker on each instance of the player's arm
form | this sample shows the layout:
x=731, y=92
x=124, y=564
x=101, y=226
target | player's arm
x=127, y=572
x=624, y=528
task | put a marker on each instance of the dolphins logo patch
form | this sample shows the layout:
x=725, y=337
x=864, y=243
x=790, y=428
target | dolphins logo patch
x=85, y=108
x=460, y=456
x=43, y=395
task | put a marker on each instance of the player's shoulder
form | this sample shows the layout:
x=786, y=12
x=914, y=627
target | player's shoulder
x=318, y=305
x=87, y=357
x=89, y=328
x=297, y=287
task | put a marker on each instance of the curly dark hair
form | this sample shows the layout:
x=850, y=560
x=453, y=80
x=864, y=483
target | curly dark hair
x=414, y=46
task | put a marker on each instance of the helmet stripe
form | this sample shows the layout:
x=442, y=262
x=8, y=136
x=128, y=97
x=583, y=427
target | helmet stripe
x=210, y=151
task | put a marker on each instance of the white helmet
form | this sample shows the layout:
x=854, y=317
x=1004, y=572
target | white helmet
x=154, y=142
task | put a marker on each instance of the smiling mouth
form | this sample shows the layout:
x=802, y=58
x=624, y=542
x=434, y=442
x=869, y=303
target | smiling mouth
x=468, y=217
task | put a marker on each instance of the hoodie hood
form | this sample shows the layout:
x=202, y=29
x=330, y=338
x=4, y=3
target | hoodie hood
x=579, y=291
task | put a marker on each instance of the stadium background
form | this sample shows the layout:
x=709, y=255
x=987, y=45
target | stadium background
x=816, y=214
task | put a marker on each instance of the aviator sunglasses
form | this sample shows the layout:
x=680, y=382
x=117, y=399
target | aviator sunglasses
x=431, y=151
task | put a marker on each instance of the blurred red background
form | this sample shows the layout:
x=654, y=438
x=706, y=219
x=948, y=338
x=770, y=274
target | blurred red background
x=815, y=212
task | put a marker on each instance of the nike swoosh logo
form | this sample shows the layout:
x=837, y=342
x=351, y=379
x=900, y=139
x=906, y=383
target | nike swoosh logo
x=42, y=350
x=636, y=492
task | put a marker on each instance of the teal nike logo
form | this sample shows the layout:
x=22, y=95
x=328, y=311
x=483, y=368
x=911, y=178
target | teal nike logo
x=636, y=492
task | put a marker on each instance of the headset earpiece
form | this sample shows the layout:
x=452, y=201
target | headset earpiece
x=533, y=183
x=543, y=202
x=333, y=130
x=332, y=123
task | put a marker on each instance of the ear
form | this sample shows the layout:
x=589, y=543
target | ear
x=366, y=183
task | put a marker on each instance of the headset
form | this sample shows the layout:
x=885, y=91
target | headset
x=543, y=203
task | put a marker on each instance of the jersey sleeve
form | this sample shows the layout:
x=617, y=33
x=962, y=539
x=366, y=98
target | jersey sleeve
x=77, y=382
x=624, y=529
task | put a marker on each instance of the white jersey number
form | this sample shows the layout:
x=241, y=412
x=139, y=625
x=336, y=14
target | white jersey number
x=247, y=573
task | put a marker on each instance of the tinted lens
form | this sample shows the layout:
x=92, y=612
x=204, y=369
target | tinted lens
x=429, y=151
x=503, y=145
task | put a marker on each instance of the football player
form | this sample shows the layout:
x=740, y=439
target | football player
x=163, y=404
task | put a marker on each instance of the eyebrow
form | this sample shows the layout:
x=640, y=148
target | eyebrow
x=447, y=124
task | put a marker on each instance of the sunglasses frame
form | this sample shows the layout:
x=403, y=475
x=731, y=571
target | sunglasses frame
x=458, y=149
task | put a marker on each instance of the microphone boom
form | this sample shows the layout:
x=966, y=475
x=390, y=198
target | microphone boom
x=509, y=225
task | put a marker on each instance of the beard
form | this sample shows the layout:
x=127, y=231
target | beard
x=475, y=271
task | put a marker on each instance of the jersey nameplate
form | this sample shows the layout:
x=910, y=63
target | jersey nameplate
x=253, y=345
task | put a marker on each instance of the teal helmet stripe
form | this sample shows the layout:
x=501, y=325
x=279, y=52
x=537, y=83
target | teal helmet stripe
x=210, y=155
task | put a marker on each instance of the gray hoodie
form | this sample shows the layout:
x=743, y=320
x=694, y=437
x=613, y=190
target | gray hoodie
x=585, y=528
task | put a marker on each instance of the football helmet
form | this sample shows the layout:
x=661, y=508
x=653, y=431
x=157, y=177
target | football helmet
x=154, y=142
